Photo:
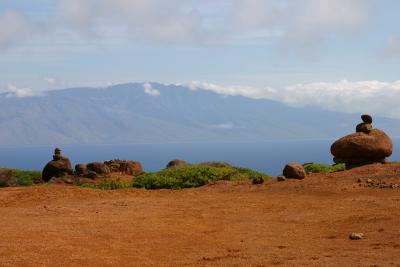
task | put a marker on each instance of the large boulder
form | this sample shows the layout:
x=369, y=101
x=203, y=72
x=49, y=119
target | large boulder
x=176, y=163
x=133, y=168
x=99, y=168
x=362, y=147
x=294, y=171
x=56, y=168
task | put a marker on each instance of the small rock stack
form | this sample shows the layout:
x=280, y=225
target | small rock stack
x=366, y=146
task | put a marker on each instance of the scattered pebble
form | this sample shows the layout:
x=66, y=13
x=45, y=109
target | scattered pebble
x=281, y=178
x=356, y=236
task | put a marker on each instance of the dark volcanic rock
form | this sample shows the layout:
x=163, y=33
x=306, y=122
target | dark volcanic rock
x=58, y=167
x=6, y=178
x=258, y=180
x=99, y=168
x=294, y=171
x=366, y=118
x=81, y=169
x=176, y=163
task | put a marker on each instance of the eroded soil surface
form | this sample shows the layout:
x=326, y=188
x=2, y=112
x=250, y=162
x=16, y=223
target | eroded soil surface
x=291, y=223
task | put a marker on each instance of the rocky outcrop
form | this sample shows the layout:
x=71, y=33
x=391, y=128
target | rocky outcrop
x=294, y=171
x=129, y=167
x=366, y=146
x=99, y=168
x=176, y=163
x=58, y=167
x=81, y=169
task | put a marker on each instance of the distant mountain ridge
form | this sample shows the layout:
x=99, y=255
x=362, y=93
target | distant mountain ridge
x=130, y=113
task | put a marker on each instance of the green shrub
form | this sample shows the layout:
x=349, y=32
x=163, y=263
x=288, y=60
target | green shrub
x=322, y=168
x=23, y=178
x=189, y=176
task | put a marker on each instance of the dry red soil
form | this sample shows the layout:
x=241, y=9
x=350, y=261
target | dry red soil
x=291, y=223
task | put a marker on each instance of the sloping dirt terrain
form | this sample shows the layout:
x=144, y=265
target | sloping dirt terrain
x=291, y=223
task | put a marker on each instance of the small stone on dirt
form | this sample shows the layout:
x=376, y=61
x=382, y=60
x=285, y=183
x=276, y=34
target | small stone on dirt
x=281, y=178
x=356, y=236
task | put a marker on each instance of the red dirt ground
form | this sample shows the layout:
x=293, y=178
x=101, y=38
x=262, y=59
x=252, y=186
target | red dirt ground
x=291, y=223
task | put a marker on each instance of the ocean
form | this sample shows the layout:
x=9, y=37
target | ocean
x=269, y=157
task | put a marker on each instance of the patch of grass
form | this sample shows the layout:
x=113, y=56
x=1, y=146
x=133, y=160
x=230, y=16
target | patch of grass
x=189, y=176
x=22, y=177
x=322, y=168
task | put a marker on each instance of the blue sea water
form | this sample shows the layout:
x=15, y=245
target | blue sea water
x=269, y=157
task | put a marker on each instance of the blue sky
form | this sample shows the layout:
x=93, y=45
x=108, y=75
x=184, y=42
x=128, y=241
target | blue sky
x=277, y=44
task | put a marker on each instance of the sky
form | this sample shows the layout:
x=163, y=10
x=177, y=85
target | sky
x=337, y=54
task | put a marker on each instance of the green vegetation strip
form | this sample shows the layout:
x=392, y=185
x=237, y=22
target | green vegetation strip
x=190, y=176
x=20, y=177
x=322, y=168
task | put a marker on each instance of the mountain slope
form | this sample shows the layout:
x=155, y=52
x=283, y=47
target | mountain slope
x=127, y=114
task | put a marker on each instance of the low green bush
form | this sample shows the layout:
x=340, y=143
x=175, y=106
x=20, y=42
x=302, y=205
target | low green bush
x=189, y=176
x=322, y=168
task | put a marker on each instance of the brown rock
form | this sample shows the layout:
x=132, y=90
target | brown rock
x=134, y=168
x=294, y=171
x=6, y=178
x=258, y=180
x=129, y=167
x=91, y=175
x=281, y=178
x=366, y=118
x=361, y=147
x=99, y=168
x=81, y=169
x=176, y=163
x=58, y=167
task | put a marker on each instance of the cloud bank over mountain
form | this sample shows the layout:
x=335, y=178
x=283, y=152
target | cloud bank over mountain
x=377, y=97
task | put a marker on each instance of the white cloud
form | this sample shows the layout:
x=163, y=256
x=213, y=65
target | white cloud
x=148, y=89
x=155, y=20
x=297, y=23
x=50, y=80
x=15, y=27
x=373, y=97
x=300, y=24
x=14, y=91
x=225, y=126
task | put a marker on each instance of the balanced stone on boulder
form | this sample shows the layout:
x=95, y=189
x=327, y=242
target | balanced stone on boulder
x=294, y=171
x=366, y=146
x=58, y=167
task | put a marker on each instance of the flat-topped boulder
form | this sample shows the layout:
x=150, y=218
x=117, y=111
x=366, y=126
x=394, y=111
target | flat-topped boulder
x=366, y=146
